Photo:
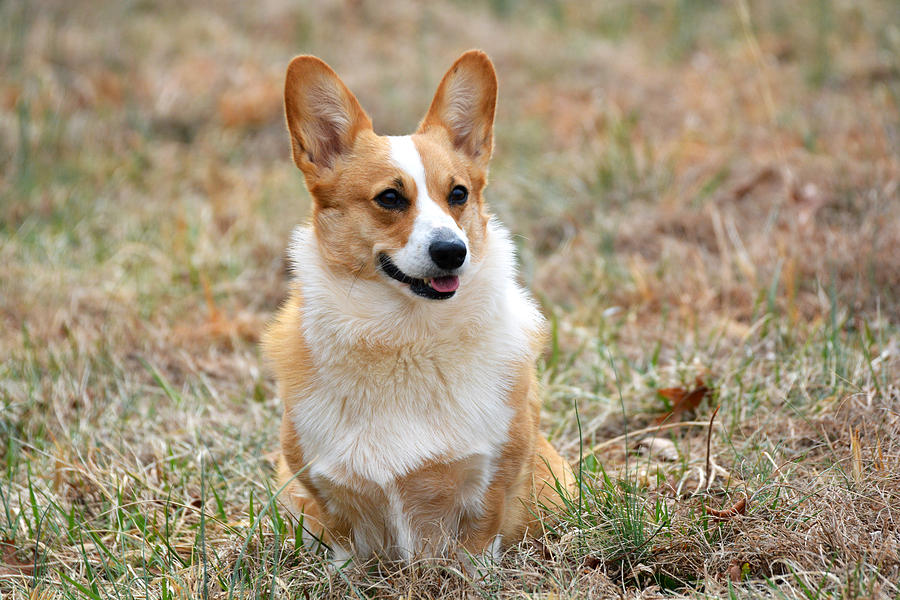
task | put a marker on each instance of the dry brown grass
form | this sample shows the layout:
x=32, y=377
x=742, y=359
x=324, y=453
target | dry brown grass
x=698, y=190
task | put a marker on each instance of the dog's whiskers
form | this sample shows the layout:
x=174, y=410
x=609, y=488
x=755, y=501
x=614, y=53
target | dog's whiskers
x=356, y=275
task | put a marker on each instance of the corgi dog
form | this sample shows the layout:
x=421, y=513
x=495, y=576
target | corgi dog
x=405, y=352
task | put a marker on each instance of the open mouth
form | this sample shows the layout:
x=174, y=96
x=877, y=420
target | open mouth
x=435, y=288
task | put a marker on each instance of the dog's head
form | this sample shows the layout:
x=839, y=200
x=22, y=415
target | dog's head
x=407, y=210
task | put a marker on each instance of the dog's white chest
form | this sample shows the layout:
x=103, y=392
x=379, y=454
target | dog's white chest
x=378, y=417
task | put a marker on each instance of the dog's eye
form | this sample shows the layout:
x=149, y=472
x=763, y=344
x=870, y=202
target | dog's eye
x=458, y=195
x=391, y=199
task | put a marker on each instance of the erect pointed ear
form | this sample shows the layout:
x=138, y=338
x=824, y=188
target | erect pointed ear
x=464, y=105
x=323, y=116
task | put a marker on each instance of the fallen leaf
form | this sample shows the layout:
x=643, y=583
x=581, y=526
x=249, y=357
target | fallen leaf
x=11, y=564
x=739, y=508
x=682, y=400
x=734, y=571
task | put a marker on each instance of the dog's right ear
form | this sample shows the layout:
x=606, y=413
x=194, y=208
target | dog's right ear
x=464, y=106
x=323, y=116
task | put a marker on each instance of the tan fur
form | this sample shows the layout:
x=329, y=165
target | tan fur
x=346, y=165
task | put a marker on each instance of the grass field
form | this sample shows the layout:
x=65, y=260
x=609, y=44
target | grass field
x=705, y=198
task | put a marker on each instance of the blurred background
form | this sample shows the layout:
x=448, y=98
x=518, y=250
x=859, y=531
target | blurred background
x=687, y=181
x=689, y=155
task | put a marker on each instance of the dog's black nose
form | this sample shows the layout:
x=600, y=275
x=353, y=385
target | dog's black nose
x=448, y=254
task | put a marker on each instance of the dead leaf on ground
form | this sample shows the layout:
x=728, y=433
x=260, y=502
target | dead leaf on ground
x=682, y=400
x=734, y=571
x=739, y=508
x=11, y=564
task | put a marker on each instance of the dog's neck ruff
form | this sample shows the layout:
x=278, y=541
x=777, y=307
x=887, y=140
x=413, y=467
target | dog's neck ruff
x=343, y=311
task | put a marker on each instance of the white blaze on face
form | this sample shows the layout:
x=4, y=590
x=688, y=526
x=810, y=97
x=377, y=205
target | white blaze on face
x=413, y=258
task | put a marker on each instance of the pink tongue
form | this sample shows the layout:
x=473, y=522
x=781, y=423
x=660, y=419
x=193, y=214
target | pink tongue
x=445, y=284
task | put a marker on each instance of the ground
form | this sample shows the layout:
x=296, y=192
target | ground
x=705, y=200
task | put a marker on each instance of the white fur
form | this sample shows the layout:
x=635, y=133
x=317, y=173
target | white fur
x=437, y=386
x=405, y=543
x=462, y=99
x=413, y=259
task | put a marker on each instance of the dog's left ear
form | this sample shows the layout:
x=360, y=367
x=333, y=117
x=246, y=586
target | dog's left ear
x=464, y=105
